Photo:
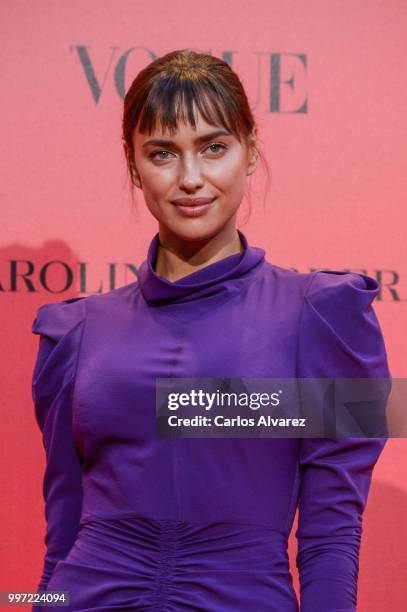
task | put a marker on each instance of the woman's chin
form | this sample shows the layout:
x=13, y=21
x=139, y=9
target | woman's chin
x=192, y=229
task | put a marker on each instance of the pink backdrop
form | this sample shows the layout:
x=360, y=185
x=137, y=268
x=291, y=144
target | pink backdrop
x=327, y=84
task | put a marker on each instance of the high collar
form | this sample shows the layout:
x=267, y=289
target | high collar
x=158, y=290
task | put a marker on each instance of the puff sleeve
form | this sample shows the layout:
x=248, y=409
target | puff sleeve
x=60, y=326
x=339, y=337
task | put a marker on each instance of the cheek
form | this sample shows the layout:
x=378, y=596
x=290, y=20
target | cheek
x=156, y=180
x=229, y=173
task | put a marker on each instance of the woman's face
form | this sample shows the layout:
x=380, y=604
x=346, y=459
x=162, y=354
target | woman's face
x=207, y=162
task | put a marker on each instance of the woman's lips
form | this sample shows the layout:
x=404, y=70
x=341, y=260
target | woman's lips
x=194, y=210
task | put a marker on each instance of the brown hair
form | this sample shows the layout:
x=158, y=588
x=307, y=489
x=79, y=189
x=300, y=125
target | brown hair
x=167, y=88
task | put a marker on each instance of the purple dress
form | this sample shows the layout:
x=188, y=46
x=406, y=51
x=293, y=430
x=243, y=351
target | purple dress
x=137, y=522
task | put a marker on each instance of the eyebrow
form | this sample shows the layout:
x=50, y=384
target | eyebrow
x=165, y=143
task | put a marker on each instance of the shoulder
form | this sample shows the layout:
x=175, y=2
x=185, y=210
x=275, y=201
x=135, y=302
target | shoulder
x=341, y=301
x=56, y=319
x=326, y=289
x=59, y=325
x=339, y=330
x=332, y=289
x=287, y=281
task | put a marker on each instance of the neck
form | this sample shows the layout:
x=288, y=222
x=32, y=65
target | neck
x=178, y=257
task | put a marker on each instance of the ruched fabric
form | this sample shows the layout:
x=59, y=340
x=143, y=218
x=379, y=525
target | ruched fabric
x=139, y=522
x=138, y=563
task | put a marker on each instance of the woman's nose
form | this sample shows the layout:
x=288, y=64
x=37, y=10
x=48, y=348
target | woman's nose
x=190, y=175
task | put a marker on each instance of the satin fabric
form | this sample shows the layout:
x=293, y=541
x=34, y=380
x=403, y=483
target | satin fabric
x=137, y=522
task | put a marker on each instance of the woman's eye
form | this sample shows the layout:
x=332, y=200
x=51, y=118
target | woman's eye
x=153, y=155
x=216, y=144
x=163, y=155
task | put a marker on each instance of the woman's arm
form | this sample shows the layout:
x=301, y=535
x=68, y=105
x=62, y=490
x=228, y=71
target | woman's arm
x=60, y=327
x=339, y=337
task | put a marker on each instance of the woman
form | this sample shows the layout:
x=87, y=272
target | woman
x=141, y=522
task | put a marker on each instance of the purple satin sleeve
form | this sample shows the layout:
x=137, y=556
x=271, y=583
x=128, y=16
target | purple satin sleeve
x=340, y=337
x=53, y=376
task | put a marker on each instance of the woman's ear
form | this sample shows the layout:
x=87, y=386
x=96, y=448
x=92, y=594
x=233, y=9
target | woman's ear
x=130, y=161
x=134, y=175
x=253, y=151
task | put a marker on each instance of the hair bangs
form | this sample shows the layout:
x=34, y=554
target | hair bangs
x=173, y=100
